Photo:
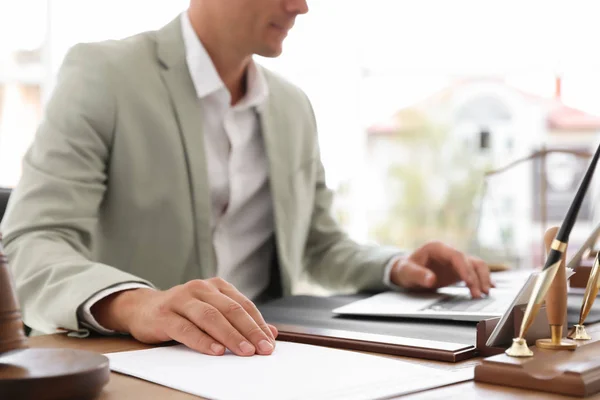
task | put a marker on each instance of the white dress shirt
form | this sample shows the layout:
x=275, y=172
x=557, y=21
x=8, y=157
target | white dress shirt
x=242, y=210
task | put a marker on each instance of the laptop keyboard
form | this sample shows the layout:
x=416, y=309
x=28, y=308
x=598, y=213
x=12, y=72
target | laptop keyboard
x=468, y=304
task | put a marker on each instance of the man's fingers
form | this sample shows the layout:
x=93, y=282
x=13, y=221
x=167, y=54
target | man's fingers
x=483, y=272
x=413, y=275
x=241, y=321
x=185, y=332
x=250, y=308
x=463, y=267
x=208, y=318
x=273, y=330
x=463, y=263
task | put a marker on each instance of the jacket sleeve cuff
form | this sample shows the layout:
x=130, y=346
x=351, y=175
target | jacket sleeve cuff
x=85, y=316
x=387, y=273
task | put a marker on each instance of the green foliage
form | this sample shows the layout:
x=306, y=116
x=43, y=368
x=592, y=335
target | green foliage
x=434, y=189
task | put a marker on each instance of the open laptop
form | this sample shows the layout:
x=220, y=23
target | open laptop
x=451, y=303
x=448, y=304
x=455, y=303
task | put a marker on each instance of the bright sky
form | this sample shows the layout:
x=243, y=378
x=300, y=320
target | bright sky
x=360, y=60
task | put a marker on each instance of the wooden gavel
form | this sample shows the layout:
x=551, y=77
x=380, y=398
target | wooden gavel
x=41, y=374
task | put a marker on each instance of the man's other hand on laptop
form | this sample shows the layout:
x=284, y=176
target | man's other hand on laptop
x=436, y=265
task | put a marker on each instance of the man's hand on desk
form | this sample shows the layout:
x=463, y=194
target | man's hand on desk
x=436, y=265
x=205, y=315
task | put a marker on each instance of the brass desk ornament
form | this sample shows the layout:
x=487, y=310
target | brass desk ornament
x=41, y=374
x=546, y=276
x=556, y=304
x=591, y=291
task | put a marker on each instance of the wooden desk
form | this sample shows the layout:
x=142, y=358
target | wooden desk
x=126, y=387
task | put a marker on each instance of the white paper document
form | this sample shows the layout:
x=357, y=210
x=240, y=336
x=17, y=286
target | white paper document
x=293, y=371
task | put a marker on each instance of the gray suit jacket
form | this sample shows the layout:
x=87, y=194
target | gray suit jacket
x=115, y=189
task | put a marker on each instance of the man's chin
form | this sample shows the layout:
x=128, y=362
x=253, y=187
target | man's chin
x=270, y=51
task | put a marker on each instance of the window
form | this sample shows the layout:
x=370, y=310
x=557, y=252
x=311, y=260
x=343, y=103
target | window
x=35, y=37
x=484, y=140
x=21, y=82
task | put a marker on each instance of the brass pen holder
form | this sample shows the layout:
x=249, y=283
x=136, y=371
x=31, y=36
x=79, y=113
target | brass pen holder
x=591, y=291
x=579, y=333
x=519, y=348
x=556, y=341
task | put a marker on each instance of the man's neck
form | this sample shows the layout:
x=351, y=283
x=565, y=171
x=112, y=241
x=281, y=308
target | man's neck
x=231, y=64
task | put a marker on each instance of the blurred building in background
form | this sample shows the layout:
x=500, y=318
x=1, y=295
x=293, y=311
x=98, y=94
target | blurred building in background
x=465, y=166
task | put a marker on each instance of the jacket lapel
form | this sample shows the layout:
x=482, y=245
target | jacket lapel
x=273, y=129
x=175, y=74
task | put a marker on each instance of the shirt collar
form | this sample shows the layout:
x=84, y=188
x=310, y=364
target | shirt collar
x=205, y=77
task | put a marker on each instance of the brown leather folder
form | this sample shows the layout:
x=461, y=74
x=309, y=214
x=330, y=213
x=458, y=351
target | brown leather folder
x=307, y=319
x=374, y=343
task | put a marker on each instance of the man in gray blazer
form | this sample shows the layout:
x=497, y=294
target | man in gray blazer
x=173, y=183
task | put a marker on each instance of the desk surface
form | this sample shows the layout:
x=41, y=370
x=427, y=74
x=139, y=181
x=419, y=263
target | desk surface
x=125, y=387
